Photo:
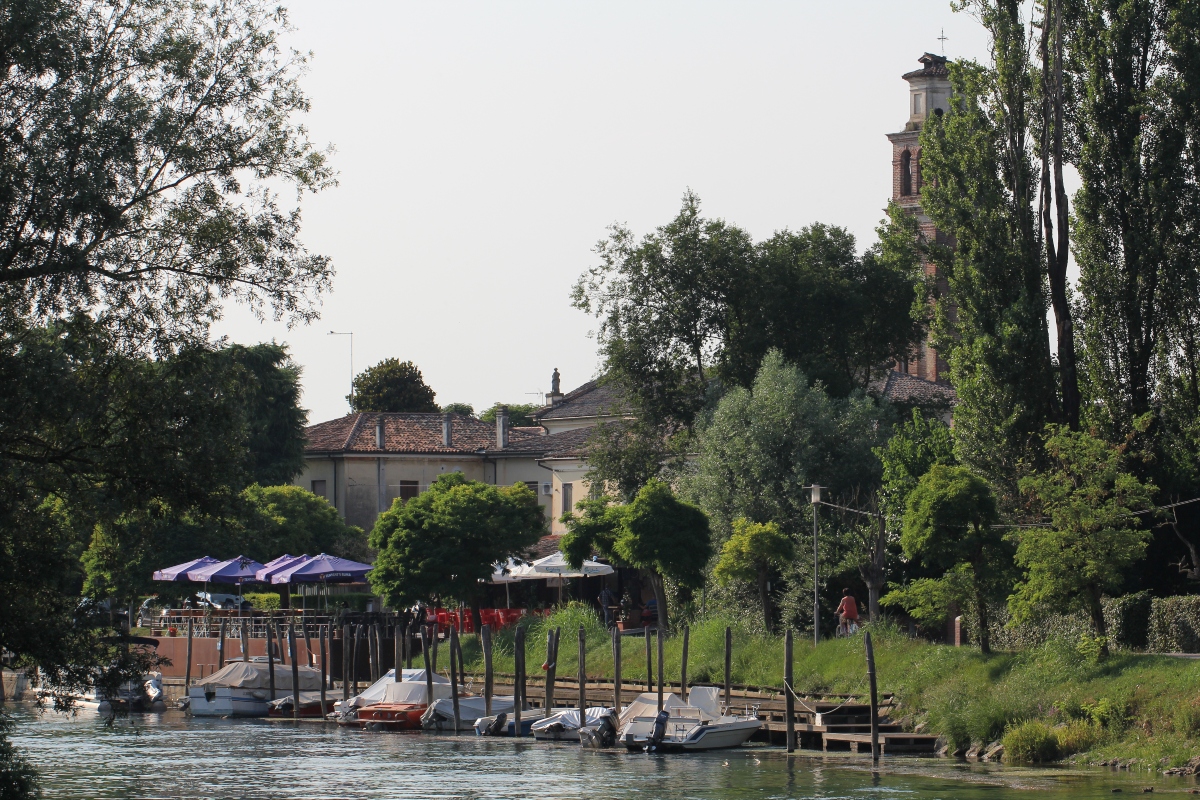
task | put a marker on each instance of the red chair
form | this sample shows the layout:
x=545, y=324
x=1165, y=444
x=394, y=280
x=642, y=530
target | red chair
x=488, y=616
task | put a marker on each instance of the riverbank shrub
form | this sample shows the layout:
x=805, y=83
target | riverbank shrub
x=263, y=601
x=1030, y=742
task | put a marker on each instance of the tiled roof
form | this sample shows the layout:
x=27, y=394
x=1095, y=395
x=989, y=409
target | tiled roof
x=934, y=67
x=594, y=399
x=406, y=433
x=907, y=389
x=552, y=445
x=546, y=546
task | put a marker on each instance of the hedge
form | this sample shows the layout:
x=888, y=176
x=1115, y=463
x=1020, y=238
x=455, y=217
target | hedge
x=1174, y=625
x=269, y=601
x=1127, y=619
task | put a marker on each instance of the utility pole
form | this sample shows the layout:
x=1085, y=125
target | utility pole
x=816, y=501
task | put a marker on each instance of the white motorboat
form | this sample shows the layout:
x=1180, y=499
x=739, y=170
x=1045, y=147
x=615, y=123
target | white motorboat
x=132, y=697
x=440, y=716
x=694, y=725
x=376, y=692
x=562, y=724
x=242, y=688
x=504, y=724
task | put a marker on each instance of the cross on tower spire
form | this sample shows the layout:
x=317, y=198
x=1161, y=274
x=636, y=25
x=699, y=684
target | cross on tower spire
x=943, y=39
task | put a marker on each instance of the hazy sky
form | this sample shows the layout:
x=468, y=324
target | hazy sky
x=483, y=149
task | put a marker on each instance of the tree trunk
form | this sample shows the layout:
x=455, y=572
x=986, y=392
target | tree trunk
x=764, y=597
x=985, y=642
x=660, y=599
x=874, y=572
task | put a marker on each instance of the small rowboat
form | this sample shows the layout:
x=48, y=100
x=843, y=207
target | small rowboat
x=388, y=717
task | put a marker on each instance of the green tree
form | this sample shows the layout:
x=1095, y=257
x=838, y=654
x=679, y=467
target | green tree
x=762, y=448
x=445, y=542
x=392, y=386
x=466, y=409
x=948, y=524
x=143, y=147
x=657, y=533
x=270, y=389
x=520, y=415
x=1094, y=536
x=624, y=456
x=916, y=446
x=288, y=519
x=752, y=553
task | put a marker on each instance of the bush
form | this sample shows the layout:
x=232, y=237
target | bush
x=1076, y=736
x=1186, y=720
x=263, y=601
x=1031, y=742
x=1174, y=625
x=1128, y=620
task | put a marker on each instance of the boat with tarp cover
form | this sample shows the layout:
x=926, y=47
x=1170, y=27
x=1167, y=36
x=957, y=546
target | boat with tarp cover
x=243, y=689
x=393, y=705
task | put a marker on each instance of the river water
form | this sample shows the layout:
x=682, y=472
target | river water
x=175, y=756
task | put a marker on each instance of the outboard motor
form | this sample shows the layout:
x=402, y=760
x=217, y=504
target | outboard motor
x=659, y=732
x=601, y=735
x=497, y=726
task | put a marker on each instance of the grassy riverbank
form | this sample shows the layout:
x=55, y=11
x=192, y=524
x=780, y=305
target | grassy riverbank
x=1129, y=706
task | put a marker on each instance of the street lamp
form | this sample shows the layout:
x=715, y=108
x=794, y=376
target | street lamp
x=351, y=335
x=816, y=501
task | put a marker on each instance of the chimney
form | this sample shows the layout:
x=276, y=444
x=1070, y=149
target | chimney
x=379, y=432
x=502, y=427
x=447, y=429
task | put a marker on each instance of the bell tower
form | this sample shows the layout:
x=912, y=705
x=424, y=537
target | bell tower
x=928, y=93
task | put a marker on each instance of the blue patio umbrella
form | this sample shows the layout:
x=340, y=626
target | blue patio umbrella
x=277, y=565
x=236, y=570
x=179, y=571
x=323, y=569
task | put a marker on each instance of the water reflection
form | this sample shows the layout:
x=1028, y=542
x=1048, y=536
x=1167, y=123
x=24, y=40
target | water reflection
x=173, y=756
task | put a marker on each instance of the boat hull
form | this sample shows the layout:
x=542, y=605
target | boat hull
x=715, y=736
x=387, y=717
x=224, y=701
x=307, y=711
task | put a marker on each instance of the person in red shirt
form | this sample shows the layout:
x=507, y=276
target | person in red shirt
x=847, y=613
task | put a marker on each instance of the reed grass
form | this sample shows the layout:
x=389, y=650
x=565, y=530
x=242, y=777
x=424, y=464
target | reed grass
x=1128, y=706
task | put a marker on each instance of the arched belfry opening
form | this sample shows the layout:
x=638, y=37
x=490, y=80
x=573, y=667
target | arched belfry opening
x=906, y=181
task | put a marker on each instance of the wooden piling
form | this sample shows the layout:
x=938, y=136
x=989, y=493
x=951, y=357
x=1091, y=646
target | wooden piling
x=358, y=636
x=345, y=661
x=434, y=645
x=616, y=634
x=291, y=629
x=308, y=648
x=789, y=701
x=221, y=644
x=379, y=640
x=649, y=663
x=518, y=678
x=282, y=642
x=551, y=666
x=660, y=668
x=324, y=664
x=270, y=662
x=485, y=638
x=187, y=670
x=728, y=667
x=372, y=659
x=454, y=675
x=408, y=643
x=398, y=651
x=428, y=669
x=462, y=667
x=245, y=642
x=874, y=698
x=582, y=676
x=683, y=686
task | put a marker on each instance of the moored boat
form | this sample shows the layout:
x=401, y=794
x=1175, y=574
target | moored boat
x=392, y=705
x=495, y=726
x=310, y=706
x=695, y=725
x=562, y=724
x=242, y=689
x=135, y=698
x=440, y=716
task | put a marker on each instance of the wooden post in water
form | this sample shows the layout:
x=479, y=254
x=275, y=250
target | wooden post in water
x=324, y=665
x=221, y=644
x=485, y=637
x=518, y=678
x=279, y=633
x=245, y=642
x=291, y=630
x=582, y=676
x=616, y=634
x=379, y=640
x=551, y=666
x=683, y=687
x=462, y=667
x=308, y=650
x=187, y=672
x=649, y=663
x=428, y=669
x=660, y=668
x=454, y=675
x=270, y=662
x=874, y=698
x=358, y=636
x=789, y=701
x=398, y=654
x=435, y=646
x=408, y=643
x=728, y=667
x=371, y=657
x=345, y=661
